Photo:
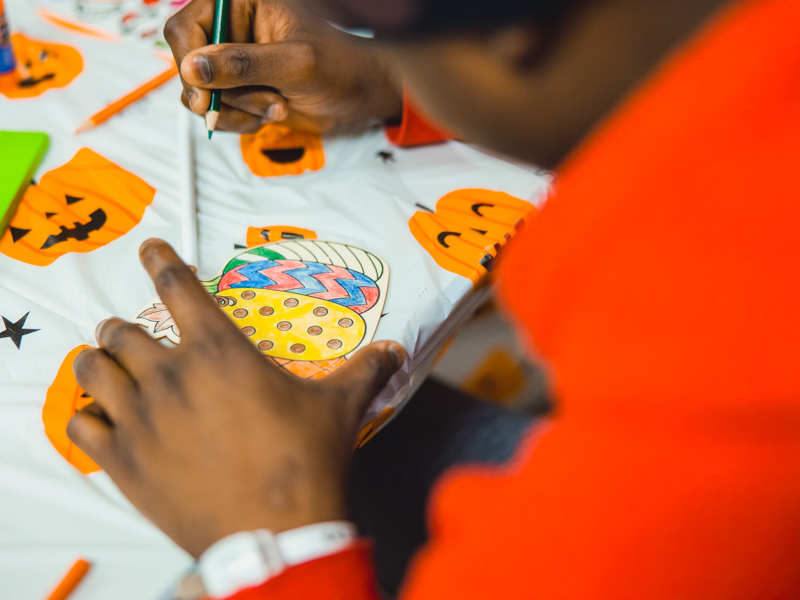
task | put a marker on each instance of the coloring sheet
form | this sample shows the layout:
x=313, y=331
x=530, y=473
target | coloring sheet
x=306, y=304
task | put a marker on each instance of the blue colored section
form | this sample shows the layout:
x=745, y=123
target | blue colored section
x=255, y=279
x=305, y=277
x=353, y=288
x=307, y=283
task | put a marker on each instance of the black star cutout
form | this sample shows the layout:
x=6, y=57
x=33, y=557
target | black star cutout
x=386, y=156
x=15, y=331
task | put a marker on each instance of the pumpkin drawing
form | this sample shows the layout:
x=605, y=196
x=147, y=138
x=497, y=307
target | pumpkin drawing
x=305, y=304
x=467, y=229
x=78, y=207
x=64, y=399
x=256, y=236
x=41, y=66
x=276, y=150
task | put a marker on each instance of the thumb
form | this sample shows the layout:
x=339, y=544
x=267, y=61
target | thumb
x=364, y=375
x=223, y=66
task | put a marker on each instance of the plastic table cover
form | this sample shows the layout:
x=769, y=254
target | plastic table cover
x=50, y=513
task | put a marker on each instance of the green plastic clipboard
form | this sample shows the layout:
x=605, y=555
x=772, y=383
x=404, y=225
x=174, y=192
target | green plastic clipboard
x=20, y=155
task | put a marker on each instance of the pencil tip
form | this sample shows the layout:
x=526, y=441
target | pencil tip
x=84, y=127
x=211, y=121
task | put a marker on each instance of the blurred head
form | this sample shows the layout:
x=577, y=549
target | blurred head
x=528, y=78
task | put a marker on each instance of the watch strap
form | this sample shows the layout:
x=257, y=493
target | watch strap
x=250, y=558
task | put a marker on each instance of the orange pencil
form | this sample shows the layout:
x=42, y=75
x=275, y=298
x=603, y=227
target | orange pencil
x=123, y=103
x=71, y=580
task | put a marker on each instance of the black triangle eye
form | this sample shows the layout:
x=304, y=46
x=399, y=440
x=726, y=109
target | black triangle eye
x=72, y=199
x=48, y=215
x=17, y=234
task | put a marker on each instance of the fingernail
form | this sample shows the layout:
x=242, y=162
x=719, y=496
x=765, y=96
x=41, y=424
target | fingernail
x=146, y=244
x=99, y=328
x=202, y=68
x=276, y=113
x=398, y=355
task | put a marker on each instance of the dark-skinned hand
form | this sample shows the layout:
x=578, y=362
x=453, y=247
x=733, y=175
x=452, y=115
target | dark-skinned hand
x=310, y=77
x=209, y=438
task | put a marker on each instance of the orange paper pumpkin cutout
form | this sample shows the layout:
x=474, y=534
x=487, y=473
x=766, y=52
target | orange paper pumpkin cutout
x=41, y=66
x=64, y=399
x=279, y=150
x=78, y=207
x=256, y=236
x=468, y=228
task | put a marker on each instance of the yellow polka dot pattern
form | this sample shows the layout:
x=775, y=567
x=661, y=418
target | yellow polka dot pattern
x=291, y=326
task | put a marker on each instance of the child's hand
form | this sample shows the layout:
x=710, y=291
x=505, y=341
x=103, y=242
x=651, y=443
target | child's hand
x=310, y=77
x=209, y=438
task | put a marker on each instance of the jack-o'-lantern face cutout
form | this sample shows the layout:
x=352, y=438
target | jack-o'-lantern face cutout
x=279, y=150
x=78, y=207
x=468, y=228
x=256, y=236
x=40, y=67
x=64, y=399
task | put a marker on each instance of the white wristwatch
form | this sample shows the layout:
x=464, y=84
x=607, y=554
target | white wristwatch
x=250, y=558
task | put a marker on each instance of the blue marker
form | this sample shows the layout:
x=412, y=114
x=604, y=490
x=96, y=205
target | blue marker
x=7, y=61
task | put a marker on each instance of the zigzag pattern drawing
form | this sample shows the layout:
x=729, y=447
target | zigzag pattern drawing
x=327, y=282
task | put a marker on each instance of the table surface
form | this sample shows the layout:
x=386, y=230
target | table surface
x=51, y=513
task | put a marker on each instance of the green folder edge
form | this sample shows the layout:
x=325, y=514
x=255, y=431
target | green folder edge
x=20, y=155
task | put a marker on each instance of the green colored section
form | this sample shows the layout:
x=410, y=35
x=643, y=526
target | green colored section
x=20, y=155
x=233, y=263
x=258, y=251
x=266, y=253
x=212, y=286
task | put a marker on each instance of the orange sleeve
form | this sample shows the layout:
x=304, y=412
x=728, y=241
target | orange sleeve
x=346, y=575
x=414, y=129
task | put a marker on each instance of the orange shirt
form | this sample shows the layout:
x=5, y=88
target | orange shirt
x=414, y=129
x=662, y=284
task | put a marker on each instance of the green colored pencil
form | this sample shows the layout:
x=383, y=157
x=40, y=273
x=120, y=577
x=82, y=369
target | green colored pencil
x=222, y=11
